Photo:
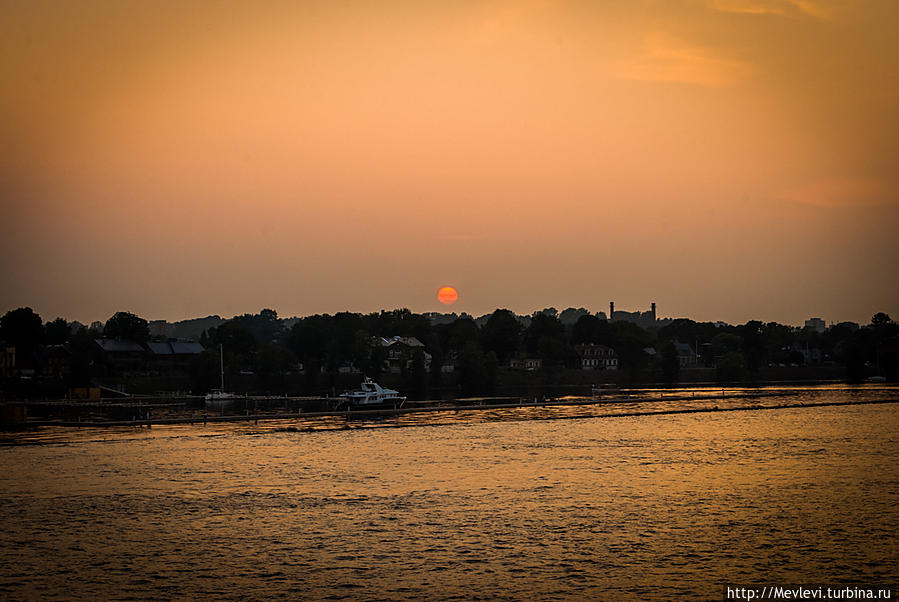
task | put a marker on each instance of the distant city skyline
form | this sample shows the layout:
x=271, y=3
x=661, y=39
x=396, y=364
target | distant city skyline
x=729, y=160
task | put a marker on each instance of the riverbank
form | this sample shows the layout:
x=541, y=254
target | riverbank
x=628, y=402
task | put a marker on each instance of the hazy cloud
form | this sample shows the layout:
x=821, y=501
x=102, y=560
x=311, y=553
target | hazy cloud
x=783, y=8
x=461, y=237
x=842, y=192
x=667, y=59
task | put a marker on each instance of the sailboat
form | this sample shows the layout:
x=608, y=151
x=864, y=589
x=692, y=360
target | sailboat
x=219, y=399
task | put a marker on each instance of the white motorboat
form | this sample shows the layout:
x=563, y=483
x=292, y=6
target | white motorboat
x=372, y=394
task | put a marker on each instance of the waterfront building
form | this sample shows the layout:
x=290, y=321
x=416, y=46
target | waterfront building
x=56, y=361
x=173, y=357
x=120, y=356
x=596, y=357
x=686, y=355
x=528, y=364
x=401, y=353
x=644, y=319
x=815, y=325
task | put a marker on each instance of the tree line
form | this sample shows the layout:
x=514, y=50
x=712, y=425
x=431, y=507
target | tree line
x=273, y=351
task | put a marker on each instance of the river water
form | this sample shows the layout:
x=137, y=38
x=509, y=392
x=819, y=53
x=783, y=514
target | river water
x=629, y=507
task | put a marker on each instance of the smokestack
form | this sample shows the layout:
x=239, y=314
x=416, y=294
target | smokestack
x=611, y=309
x=653, y=312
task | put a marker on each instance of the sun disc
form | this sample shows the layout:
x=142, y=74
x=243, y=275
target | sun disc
x=447, y=295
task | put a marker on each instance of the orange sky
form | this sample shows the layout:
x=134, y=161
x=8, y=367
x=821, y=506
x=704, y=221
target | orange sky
x=727, y=159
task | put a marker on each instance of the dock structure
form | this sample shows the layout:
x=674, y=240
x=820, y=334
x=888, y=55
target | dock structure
x=143, y=408
x=381, y=413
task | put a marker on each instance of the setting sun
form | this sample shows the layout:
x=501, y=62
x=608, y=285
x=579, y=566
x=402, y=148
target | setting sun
x=447, y=295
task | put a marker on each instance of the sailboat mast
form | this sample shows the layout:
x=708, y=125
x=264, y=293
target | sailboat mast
x=222, y=360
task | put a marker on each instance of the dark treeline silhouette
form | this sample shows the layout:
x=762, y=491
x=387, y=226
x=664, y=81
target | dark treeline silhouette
x=451, y=356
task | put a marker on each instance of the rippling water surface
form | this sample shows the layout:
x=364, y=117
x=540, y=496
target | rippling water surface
x=655, y=507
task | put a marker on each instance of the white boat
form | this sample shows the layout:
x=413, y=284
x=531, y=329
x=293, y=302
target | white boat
x=219, y=399
x=372, y=394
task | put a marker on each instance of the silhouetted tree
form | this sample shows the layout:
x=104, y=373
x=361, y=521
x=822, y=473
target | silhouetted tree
x=542, y=326
x=237, y=343
x=731, y=367
x=880, y=319
x=272, y=364
x=205, y=371
x=853, y=352
x=688, y=331
x=378, y=357
x=776, y=341
x=125, y=325
x=629, y=341
x=501, y=334
x=552, y=312
x=399, y=322
x=570, y=315
x=591, y=330
x=472, y=370
x=264, y=326
x=24, y=329
x=342, y=328
x=363, y=343
x=670, y=363
x=418, y=376
x=491, y=365
x=308, y=340
x=332, y=363
x=435, y=375
x=886, y=345
x=545, y=338
x=463, y=331
x=56, y=332
x=753, y=349
x=795, y=358
x=725, y=342
x=82, y=347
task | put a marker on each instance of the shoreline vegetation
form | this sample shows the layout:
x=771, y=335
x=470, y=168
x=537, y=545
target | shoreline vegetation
x=548, y=354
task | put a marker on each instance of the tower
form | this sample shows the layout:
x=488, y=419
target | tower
x=653, y=312
x=611, y=309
